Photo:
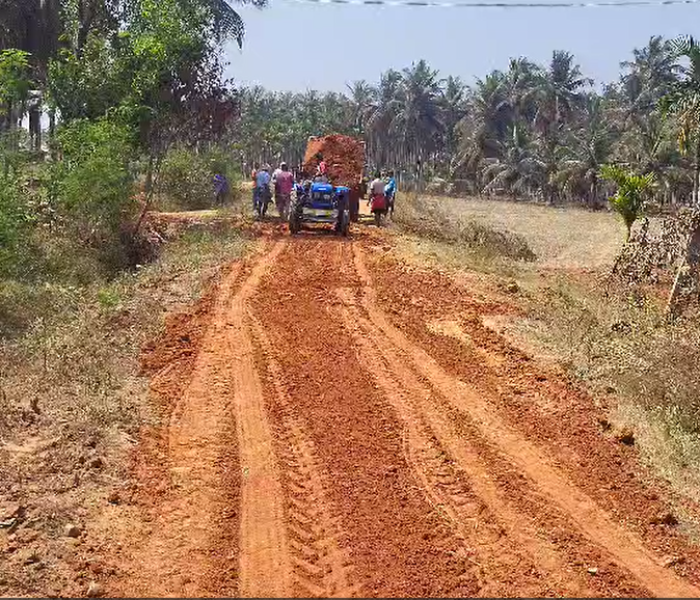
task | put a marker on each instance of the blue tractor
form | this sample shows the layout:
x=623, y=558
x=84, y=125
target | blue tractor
x=319, y=202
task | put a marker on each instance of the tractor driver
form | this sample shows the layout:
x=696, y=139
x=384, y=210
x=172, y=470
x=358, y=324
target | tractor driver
x=322, y=169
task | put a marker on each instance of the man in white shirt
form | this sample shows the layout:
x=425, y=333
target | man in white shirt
x=377, y=199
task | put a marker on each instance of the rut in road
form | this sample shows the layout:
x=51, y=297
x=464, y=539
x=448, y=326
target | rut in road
x=321, y=567
x=169, y=553
x=593, y=522
x=498, y=538
x=398, y=543
x=197, y=543
x=264, y=553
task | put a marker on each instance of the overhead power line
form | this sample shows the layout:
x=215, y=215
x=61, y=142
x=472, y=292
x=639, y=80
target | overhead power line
x=441, y=4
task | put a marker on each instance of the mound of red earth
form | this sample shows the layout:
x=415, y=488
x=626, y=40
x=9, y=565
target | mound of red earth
x=344, y=156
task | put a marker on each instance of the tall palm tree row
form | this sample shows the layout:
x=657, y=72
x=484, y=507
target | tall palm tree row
x=530, y=130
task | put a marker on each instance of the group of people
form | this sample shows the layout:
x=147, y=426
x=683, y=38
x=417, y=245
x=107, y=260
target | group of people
x=381, y=192
x=282, y=180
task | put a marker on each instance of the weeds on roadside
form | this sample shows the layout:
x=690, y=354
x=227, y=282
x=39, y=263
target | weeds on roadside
x=71, y=400
x=622, y=344
x=424, y=217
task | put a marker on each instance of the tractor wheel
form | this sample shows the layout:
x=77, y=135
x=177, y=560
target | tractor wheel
x=341, y=225
x=345, y=224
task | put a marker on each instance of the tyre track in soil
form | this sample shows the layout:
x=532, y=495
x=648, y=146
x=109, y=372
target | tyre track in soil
x=168, y=551
x=399, y=545
x=452, y=474
x=321, y=568
x=265, y=571
x=318, y=451
x=582, y=512
x=205, y=539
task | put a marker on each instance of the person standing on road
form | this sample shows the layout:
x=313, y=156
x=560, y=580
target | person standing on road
x=356, y=194
x=254, y=177
x=262, y=189
x=221, y=188
x=377, y=200
x=275, y=173
x=284, y=184
x=390, y=192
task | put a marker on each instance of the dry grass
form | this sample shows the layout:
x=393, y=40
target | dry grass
x=72, y=402
x=559, y=237
x=621, y=345
x=428, y=218
x=616, y=340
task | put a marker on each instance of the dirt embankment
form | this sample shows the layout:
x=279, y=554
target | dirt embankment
x=344, y=156
x=348, y=426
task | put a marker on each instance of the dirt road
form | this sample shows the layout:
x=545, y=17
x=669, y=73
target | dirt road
x=342, y=424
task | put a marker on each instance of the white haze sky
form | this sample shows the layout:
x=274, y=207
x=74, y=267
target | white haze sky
x=293, y=46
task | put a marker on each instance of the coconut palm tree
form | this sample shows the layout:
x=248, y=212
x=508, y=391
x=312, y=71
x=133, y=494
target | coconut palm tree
x=228, y=21
x=454, y=109
x=650, y=75
x=417, y=119
x=362, y=98
x=682, y=102
x=521, y=86
x=486, y=123
x=381, y=116
x=561, y=90
x=518, y=170
x=589, y=148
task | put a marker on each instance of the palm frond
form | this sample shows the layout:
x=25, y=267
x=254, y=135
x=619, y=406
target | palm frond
x=228, y=22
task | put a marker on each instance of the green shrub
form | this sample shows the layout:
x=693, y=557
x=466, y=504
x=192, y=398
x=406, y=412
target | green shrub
x=95, y=186
x=186, y=179
x=15, y=222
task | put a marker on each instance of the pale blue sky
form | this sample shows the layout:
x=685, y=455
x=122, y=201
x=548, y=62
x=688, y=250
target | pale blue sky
x=292, y=46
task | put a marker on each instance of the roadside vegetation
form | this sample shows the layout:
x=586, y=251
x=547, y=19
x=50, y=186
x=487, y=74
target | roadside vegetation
x=527, y=131
x=108, y=111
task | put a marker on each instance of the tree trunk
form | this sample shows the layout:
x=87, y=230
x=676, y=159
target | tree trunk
x=52, y=134
x=35, y=128
x=696, y=173
x=594, y=191
x=148, y=187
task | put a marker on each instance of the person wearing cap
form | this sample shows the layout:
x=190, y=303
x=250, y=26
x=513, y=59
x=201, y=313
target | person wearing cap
x=284, y=184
